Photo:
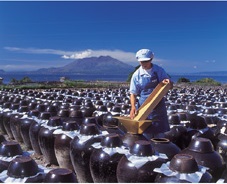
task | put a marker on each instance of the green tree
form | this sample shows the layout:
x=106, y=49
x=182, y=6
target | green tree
x=130, y=75
x=14, y=81
x=25, y=80
x=208, y=81
x=182, y=79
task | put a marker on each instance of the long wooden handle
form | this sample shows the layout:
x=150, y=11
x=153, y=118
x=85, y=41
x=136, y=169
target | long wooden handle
x=153, y=99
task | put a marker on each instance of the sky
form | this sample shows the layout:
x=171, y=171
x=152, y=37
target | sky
x=185, y=36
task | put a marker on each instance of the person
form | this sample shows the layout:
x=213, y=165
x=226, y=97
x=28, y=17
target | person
x=143, y=82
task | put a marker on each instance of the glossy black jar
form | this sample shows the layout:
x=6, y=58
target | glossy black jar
x=8, y=149
x=182, y=169
x=15, y=126
x=2, y=138
x=203, y=151
x=2, y=128
x=81, y=150
x=25, y=166
x=46, y=139
x=165, y=146
x=25, y=124
x=34, y=135
x=129, y=170
x=60, y=175
x=62, y=144
x=6, y=122
x=222, y=146
x=104, y=161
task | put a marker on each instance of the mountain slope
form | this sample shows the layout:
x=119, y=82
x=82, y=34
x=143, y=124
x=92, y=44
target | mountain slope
x=92, y=65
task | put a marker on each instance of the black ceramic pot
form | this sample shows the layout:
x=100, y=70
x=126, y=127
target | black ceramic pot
x=60, y=175
x=22, y=166
x=222, y=146
x=32, y=105
x=24, y=131
x=55, y=121
x=33, y=136
x=183, y=164
x=44, y=116
x=110, y=124
x=52, y=109
x=103, y=164
x=63, y=113
x=203, y=152
x=173, y=119
x=8, y=149
x=15, y=126
x=2, y=138
x=207, y=133
x=2, y=128
x=129, y=172
x=177, y=135
x=87, y=111
x=47, y=138
x=76, y=115
x=33, y=113
x=14, y=106
x=23, y=109
x=182, y=116
x=88, y=120
x=41, y=107
x=130, y=139
x=6, y=122
x=81, y=150
x=109, y=121
x=62, y=145
x=163, y=145
x=25, y=166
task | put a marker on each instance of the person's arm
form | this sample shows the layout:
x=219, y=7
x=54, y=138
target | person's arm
x=133, y=111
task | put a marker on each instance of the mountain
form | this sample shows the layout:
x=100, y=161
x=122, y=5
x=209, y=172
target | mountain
x=214, y=73
x=210, y=73
x=2, y=71
x=93, y=65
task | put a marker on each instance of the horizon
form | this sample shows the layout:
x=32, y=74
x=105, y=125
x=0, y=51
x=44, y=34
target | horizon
x=172, y=73
x=186, y=37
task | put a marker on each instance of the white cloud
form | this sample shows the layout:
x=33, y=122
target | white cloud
x=24, y=67
x=127, y=57
x=210, y=61
x=36, y=50
x=78, y=55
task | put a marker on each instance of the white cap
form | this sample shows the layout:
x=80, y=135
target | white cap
x=144, y=55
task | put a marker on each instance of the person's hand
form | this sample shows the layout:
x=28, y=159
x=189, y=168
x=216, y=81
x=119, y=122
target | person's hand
x=133, y=112
x=166, y=81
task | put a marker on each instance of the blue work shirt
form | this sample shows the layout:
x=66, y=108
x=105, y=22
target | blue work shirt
x=138, y=82
x=142, y=84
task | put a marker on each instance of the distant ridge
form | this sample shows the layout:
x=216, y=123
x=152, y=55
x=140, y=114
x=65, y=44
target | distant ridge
x=211, y=73
x=2, y=71
x=93, y=65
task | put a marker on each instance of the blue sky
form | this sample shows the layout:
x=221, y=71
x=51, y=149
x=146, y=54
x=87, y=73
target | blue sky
x=184, y=36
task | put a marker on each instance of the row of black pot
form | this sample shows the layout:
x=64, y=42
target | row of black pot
x=16, y=166
x=99, y=157
x=80, y=149
x=131, y=141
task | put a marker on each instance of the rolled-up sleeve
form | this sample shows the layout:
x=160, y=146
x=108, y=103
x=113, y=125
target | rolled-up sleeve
x=133, y=85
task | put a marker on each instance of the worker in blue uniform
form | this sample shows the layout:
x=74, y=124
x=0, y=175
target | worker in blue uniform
x=143, y=82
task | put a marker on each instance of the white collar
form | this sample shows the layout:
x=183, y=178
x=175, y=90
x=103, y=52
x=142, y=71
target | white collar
x=145, y=72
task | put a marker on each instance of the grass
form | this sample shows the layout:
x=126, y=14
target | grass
x=97, y=84
x=66, y=84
